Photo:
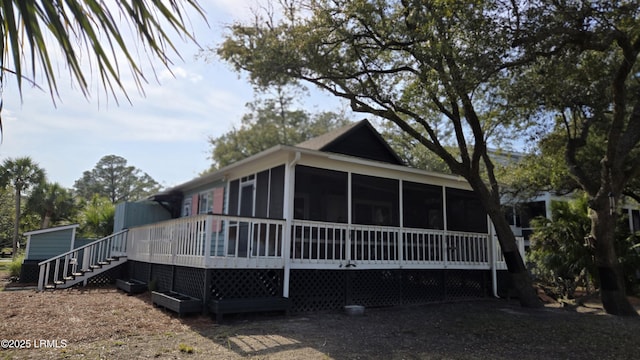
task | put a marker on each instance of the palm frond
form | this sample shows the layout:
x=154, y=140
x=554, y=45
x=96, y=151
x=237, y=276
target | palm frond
x=32, y=29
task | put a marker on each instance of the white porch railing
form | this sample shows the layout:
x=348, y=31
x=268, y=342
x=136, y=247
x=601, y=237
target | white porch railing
x=223, y=241
x=209, y=241
x=500, y=263
x=319, y=244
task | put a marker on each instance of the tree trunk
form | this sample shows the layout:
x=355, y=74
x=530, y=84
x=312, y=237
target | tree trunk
x=612, y=287
x=16, y=223
x=518, y=273
x=46, y=220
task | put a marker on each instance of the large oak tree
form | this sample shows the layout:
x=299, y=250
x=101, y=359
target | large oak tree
x=586, y=80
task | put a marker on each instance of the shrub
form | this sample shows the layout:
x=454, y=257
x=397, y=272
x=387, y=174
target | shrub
x=16, y=266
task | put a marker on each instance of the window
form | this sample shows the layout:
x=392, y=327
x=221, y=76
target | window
x=531, y=210
x=205, y=202
x=186, y=207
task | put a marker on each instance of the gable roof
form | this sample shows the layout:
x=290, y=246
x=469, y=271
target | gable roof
x=359, y=139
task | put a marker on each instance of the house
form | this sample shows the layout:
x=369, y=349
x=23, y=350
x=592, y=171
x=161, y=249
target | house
x=336, y=220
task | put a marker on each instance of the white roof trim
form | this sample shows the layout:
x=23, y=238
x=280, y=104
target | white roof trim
x=57, y=228
x=220, y=174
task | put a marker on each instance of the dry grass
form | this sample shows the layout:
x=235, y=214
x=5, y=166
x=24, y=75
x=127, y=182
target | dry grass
x=107, y=324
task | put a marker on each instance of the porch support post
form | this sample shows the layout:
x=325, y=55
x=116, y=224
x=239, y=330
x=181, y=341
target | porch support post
x=401, y=232
x=445, y=247
x=493, y=259
x=208, y=225
x=349, y=218
x=289, y=195
x=206, y=292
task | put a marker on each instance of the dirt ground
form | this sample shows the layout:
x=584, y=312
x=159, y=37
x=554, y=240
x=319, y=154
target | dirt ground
x=103, y=323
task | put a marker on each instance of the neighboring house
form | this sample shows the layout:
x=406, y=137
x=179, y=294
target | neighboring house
x=336, y=220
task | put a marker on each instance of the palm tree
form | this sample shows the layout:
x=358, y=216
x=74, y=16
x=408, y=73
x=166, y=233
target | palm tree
x=51, y=202
x=32, y=29
x=22, y=173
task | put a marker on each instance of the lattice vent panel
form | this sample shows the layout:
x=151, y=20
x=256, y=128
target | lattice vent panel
x=245, y=283
x=162, y=275
x=189, y=281
x=421, y=286
x=29, y=272
x=139, y=270
x=315, y=290
x=374, y=287
x=108, y=277
x=465, y=284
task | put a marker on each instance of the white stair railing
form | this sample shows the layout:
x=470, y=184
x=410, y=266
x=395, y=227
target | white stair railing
x=76, y=263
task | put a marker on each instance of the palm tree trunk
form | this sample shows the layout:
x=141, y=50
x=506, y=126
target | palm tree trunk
x=16, y=223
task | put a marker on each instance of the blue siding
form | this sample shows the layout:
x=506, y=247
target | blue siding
x=130, y=214
x=50, y=244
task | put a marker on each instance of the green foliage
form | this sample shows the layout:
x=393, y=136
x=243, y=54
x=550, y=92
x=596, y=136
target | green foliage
x=410, y=151
x=114, y=179
x=52, y=203
x=562, y=257
x=558, y=250
x=271, y=121
x=32, y=31
x=628, y=252
x=7, y=216
x=22, y=174
x=97, y=217
x=16, y=266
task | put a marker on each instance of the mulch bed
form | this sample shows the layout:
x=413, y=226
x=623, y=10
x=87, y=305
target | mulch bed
x=106, y=323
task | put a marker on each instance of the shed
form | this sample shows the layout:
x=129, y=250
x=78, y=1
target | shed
x=46, y=243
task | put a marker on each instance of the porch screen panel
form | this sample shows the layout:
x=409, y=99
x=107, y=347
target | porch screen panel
x=465, y=212
x=276, y=193
x=320, y=195
x=375, y=200
x=262, y=194
x=422, y=206
x=270, y=193
x=234, y=188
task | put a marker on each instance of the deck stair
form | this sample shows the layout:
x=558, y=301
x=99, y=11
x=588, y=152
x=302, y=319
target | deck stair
x=81, y=264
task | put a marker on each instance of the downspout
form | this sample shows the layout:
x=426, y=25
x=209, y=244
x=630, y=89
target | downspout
x=492, y=252
x=289, y=186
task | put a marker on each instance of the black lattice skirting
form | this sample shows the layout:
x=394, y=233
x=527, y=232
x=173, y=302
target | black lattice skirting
x=316, y=290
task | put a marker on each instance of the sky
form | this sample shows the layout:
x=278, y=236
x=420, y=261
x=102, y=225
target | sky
x=164, y=132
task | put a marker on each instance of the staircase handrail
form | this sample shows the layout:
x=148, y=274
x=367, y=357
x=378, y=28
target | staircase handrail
x=86, y=246
x=89, y=252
